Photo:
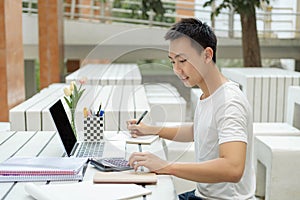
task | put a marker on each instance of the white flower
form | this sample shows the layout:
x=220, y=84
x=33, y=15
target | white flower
x=67, y=92
x=72, y=85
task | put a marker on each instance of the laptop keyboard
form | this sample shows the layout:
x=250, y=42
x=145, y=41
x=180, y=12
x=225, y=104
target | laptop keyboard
x=91, y=149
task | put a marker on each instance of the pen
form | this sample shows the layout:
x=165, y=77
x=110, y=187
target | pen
x=140, y=119
x=99, y=110
x=101, y=113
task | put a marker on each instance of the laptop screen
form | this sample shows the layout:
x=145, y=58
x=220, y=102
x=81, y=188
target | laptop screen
x=63, y=126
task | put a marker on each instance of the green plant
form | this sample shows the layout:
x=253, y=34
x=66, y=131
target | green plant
x=72, y=96
x=247, y=12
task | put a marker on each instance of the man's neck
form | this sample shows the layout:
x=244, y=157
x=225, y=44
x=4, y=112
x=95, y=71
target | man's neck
x=212, y=80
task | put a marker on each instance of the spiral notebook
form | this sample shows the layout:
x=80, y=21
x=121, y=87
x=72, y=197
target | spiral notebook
x=42, y=169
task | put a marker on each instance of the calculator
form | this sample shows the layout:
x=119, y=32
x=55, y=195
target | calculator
x=111, y=164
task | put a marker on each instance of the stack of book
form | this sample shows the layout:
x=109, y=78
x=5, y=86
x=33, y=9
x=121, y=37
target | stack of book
x=42, y=169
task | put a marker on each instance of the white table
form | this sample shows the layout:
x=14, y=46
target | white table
x=161, y=90
x=108, y=74
x=120, y=102
x=167, y=109
x=293, y=102
x=17, y=114
x=266, y=90
x=166, y=104
x=274, y=129
x=47, y=143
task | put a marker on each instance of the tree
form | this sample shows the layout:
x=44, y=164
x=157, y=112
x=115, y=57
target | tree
x=247, y=12
x=155, y=5
x=158, y=7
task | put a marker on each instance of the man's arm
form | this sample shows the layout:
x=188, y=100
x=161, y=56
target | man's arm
x=229, y=167
x=183, y=133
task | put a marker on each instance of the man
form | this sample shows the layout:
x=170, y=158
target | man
x=222, y=129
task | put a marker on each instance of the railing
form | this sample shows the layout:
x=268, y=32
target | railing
x=272, y=22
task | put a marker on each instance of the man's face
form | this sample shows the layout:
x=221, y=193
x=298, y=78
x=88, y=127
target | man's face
x=186, y=61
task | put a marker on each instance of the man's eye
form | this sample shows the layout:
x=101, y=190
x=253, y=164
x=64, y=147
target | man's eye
x=182, y=61
x=172, y=62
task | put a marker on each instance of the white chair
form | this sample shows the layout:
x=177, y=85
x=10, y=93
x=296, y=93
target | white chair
x=268, y=154
x=278, y=163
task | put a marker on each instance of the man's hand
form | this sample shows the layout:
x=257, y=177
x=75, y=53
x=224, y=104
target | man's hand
x=148, y=160
x=141, y=129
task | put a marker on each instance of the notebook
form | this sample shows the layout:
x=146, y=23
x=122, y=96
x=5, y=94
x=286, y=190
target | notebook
x=85, y=190
x=71, y=145
x=41, y=169
x=125, y=135
x=147, y=139
x=125, y=177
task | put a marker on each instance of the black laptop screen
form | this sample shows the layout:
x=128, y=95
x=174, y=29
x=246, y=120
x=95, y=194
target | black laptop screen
x=63, y=126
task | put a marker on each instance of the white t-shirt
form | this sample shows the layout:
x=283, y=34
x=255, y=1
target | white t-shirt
x=224, y=116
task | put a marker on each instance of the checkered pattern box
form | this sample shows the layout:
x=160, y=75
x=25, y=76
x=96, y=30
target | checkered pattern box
x=93, y=127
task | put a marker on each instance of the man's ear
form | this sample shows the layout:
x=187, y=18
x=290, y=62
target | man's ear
x=208, y=53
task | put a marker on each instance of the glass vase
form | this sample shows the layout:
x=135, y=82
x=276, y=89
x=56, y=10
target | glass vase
x=73, y=121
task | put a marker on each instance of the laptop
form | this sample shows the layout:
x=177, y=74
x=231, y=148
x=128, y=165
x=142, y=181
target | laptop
x=71, y=145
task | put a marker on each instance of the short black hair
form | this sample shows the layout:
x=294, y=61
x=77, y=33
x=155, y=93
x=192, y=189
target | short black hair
x=198, y=32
